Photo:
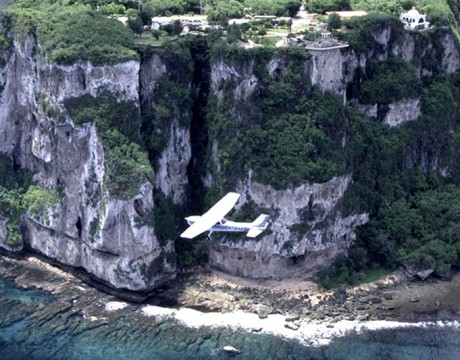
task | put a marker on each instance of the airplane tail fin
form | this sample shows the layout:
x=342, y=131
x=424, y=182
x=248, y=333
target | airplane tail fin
x=261, y=222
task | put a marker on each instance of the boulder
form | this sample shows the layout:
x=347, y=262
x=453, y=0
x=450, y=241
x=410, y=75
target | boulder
x=263, y=311
x=292, y=317
x=388, y=296
x=291, y=326
x=231, y=350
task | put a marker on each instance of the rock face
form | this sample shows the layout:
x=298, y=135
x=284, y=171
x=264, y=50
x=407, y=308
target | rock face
x=171, y=168
x=394, y=114
x=411, y=47
x=307, y=233
x=241, y=72
x=112, y=239
x=308, y=230
x=402, y=111
x=327, y=71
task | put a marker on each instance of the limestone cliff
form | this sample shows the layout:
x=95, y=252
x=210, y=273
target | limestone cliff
x=111, y=238
x=428, y=53
x=171, y=166
x=307, y=231
x=128, y=242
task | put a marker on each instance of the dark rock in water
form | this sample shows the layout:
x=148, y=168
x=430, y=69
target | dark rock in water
x=414, y=300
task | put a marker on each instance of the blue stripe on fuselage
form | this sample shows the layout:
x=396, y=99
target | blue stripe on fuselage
x=220, y=227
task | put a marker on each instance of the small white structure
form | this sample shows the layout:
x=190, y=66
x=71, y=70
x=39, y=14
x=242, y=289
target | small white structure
x=413, y=20
x=326, y=42
x=155, y=25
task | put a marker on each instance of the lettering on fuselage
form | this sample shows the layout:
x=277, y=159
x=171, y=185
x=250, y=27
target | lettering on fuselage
x=228, y=228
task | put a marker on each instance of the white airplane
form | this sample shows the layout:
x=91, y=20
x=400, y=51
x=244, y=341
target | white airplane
x=213, y=220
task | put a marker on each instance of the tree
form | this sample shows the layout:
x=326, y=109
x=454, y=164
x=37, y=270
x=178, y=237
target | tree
x=177, y=27
x=136, y=25
x=321, y=6
x=156, y=34
x=293, y=7
x=334, y=22
x=262, y=32
x=234, y=33
x=225, y=10
x=146, y=14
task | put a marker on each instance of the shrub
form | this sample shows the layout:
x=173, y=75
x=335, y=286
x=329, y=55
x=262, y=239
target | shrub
x=136, y=25
x=37, y=199
x=14, y=236
x=334, y=22
x=274, y=7
x=321, y=6
x=389, y=81
x=68, y=33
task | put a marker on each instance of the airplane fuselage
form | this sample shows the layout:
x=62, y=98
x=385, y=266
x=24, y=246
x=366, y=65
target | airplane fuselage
x=224, y=225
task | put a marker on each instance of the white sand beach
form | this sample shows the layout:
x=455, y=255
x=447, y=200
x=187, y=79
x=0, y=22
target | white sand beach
x=312, y=334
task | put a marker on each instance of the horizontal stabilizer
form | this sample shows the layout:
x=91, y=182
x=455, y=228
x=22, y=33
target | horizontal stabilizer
x=252, y=233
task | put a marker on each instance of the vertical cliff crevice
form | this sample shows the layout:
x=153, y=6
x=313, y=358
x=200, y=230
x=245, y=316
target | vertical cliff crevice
x=199, y=138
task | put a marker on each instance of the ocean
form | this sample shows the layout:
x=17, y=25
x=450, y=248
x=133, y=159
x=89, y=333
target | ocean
x=35, y=324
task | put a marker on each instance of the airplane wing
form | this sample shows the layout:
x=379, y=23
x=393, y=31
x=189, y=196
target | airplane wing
x=212, y=216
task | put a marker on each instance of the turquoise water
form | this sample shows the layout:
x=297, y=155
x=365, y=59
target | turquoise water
x=37, y=325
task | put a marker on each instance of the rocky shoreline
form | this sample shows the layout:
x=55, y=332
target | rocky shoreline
x=396, y=297
x=297, y=310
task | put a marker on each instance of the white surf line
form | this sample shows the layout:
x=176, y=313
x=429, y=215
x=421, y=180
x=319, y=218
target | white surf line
x=308, y=333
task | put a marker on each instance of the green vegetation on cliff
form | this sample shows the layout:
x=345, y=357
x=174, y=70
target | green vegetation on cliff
x=13, y=184
x=69, y=31
x=294, y=133
x=284, y=131
x=37, y=199
x=171, y=94
x=19, y=195
x=118, y=123
x=388, y=81
x=439, y=12
x=408, y=180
